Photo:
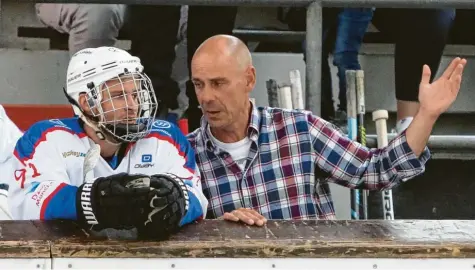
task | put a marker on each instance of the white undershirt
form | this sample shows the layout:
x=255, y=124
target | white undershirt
x=238, y=150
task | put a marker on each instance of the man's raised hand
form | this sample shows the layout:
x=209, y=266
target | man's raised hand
x=436, y=97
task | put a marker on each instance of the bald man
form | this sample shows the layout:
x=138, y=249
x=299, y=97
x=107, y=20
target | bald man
x=268, y=163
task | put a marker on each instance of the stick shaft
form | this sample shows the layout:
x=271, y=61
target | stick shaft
x=380, y=117
x=361, y=137
x=297, y=93
x=352, y=132
x=272, y=93
x=285, y=96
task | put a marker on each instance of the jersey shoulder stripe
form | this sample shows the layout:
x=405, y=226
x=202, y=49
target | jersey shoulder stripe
x=37, y=133
x=166, y=131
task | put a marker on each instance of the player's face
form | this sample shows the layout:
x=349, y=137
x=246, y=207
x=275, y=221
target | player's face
x=222, y=88
x=120, y=103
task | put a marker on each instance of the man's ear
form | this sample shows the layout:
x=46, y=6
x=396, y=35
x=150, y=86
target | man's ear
x=83, y=103
x=250, y=78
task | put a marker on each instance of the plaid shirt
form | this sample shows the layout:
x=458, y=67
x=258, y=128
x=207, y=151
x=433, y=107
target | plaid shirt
x=293, y=157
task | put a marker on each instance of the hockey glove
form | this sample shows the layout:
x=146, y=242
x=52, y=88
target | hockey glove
x=119, y=201
x=169, y=205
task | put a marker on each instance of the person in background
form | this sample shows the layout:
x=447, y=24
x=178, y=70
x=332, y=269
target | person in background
x=204, y=22
x=343, y=32
x=420, y=37
x=269, y=163
x=152, y=29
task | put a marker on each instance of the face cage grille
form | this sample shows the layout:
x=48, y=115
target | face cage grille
x=125, y=106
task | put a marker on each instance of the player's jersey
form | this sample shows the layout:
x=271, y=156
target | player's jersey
x=49, y=167
x=10, y=134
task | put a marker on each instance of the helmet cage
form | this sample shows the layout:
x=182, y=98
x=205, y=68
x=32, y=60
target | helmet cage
x=124, y=106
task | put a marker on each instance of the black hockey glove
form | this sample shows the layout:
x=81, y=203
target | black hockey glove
x=168, y=206
x=119, y=201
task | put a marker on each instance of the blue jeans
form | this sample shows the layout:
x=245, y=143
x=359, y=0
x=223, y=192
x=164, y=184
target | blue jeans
x=343, y=32
x=351, y=27
x=420, y=36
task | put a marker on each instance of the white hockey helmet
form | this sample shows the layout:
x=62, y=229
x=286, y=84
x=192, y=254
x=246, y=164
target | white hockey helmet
x=88, y=72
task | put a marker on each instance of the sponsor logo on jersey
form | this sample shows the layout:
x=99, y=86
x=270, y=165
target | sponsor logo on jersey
x=39, y=194
x=73, y=153
x=146, y=162
x=161, y=124
x=58, y=122
x=86, y=204
x=146, y=158
x=34, y=185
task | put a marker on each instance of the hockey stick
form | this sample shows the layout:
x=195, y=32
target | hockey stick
x=380, y=117
x=361, y=110
x=297, y=93
x=352, y=131
x=90, y=161
x=272, y=93
x=284, y=93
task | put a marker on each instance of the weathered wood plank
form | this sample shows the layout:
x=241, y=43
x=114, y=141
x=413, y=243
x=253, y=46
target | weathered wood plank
x=278, y=239
x=23, y=239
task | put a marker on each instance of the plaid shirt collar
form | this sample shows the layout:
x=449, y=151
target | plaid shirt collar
x=252, y=129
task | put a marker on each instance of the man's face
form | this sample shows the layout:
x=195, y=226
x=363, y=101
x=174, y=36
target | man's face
x=222, y=88
x=120, y=100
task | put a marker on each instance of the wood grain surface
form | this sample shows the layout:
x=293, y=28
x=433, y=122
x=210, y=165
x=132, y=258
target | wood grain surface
x=278, y=239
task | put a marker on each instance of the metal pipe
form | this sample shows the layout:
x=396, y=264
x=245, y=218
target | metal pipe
x=448, y=142
x=458, y=4
x=258, y=3
x=313, y=58
x=269, y=35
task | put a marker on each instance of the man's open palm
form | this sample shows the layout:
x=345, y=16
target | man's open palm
x=436, y=97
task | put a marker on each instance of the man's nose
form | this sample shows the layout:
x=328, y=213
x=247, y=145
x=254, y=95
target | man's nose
x=132, y=102
x=206, y=95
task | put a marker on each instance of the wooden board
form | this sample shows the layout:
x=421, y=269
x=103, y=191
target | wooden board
x=278, y=239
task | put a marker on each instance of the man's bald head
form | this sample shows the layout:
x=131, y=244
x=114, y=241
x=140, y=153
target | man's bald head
x=223, y=76
x=227, y=48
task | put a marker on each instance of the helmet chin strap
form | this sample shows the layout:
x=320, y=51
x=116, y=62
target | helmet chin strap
x=103, y=136
x=89, y=121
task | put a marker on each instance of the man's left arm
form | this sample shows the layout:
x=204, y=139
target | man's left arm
x=350, y=164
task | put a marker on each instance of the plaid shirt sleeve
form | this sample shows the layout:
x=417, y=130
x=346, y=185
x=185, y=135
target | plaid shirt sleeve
x=350, y=164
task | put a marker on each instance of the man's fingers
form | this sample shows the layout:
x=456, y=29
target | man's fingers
x=457, y=80
x=248, y=216
x=244, y=216
x=458, y=69
x=258, y=218
x=450, y=69
x=230, y=217
x=425, y=74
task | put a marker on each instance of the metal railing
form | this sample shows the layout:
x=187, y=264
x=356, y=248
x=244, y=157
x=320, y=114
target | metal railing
x=439, y=142
x=314, y=24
